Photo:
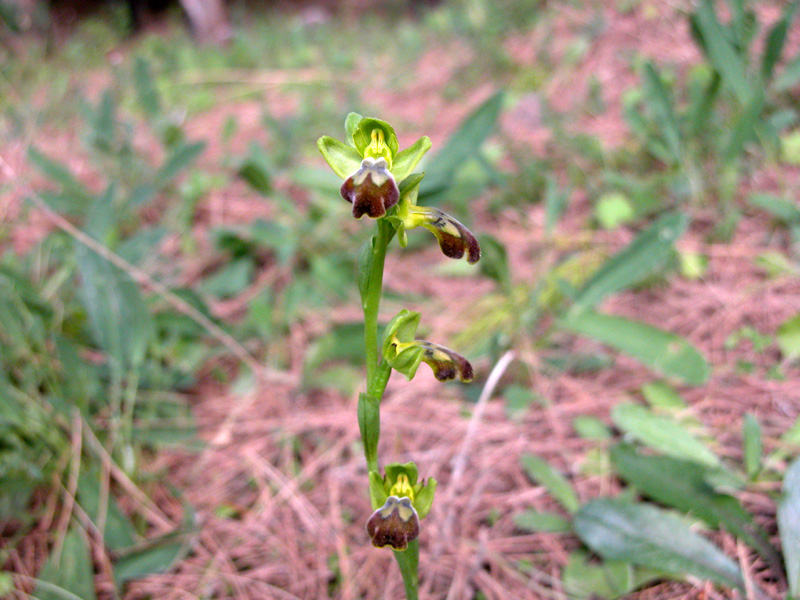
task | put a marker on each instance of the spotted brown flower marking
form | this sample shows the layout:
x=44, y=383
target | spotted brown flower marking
x=371, y=189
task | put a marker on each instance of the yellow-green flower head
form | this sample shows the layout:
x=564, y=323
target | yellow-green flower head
x=371, y=164
x=371, y=189
x=400, y=502
x=394, y=524
x=404, y=353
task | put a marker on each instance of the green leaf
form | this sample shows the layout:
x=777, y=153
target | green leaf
x=744, y=128
x=661, y=433
x=789, y=77
x=659, y=394
x=753, y=445
x=118, y=317
x=608, y=580
x=789, y=337
x=119, y=532
x=660, y=350
x=789, y=526
x=591, y=428
x=686, y=486
x=773, y=48
x=785, y=211
x=157, y=555
x=556, y=484
x=644, y=256
x=649, y=537
x=462, y=145
x=409, y=158
x=146, y=91
x=72, y=575
x=180, y=158
x=343, y=159
x=662, y=105
x=531, y=520
x=73, y=198
x=722, y=54
x=256, y=168
x=231, y=279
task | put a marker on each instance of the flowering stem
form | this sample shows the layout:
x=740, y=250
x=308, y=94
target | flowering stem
x=371, y=303
x=378, y=372
x=408, y=561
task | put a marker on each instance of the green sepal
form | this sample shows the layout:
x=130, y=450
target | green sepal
x=362, y=138
x=409, y=158
x=424, y=497
x=369, y=423
x=344, y=160
x=377, y=490
x=394, y=470
x=409, y=187
x=402, y=328
x=350, y=124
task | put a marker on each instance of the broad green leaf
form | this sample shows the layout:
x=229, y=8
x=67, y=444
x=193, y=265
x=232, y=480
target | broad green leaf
x=789, y=337
x=660, y=350
x=644, y=256
x=407, y=159
x=650, y=537
x=686, y=486
x=231, y=279
x=608, y=580
x=753, y=445
x=591, y=428
x=180, y=158
x=661, y=433
x=789, y=526
x=72, y=575
x=158, y=555
x=119, y=532
x=256, y=168
x=532, y=520
x=145, y=87
x=118, y=317
x=660, y=394
x=783, y=210
x=494, y=261
x=343, y=159
x=462, y=145
x=540, y=471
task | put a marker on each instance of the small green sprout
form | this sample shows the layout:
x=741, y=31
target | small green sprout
x=378, y=180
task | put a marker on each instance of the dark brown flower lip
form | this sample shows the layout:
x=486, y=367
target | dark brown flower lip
x=394, y=524
x=371, y=190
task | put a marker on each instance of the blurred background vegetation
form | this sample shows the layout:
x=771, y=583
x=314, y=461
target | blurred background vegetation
x=167, y=229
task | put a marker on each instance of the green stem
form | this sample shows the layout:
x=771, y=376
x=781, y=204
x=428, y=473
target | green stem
x=371, y=303
x=408, y=561
x=378, y=373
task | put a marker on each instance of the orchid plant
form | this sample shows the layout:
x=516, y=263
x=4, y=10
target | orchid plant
x=380, y=183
